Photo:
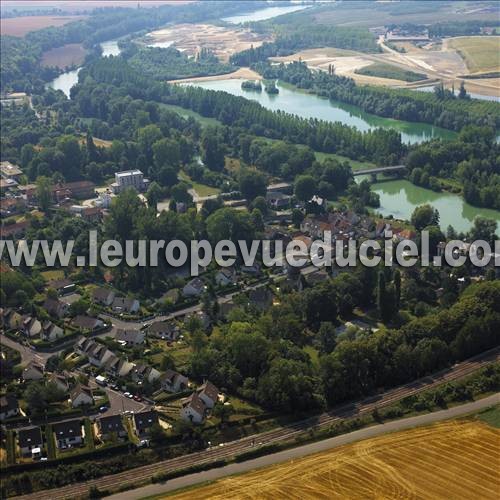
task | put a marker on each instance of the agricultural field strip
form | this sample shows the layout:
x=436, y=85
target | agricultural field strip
x=144, y=473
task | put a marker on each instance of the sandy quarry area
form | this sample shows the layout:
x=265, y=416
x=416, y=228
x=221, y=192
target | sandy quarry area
x=224, y=42
x=239, y=74
x=437, y=61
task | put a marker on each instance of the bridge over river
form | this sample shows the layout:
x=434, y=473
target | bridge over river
x=379, y=170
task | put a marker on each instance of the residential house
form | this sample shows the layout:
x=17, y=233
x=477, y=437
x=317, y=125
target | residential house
x=55, y=307
x=208, y=393
x=118, y=367
x=194, y=288
x=87, y=323
x=31, y=326
x=98, y=355
x=164, y=330
x=9, y=406
x=225, y=276
x=193, y=409
x=81, y=395
x=50, y=331
x=71, y=298
x=143, y=422
x=109, y=426
x=68, y=433
x=142, y=372
x=11, y=319
x=130, y=337
x=60, y=381
x=253, y=269
x=103, y=296
x=33, y=371
x=172, y=381
x=125, y=304
x=30, y=441
x=62, y=286
x=12, y=206
x=278, y=201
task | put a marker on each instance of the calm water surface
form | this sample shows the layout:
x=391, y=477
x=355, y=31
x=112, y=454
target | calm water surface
x=260, y=15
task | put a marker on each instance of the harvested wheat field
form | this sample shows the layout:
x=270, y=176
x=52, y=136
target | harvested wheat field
x=454, y=459
x=19, y=26
x=71, y=54
x=481, y=53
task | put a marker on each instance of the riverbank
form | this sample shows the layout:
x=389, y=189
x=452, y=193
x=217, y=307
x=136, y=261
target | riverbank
x=239, y=74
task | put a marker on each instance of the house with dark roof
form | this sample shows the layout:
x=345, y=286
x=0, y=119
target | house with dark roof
x=125, y=304
x=62, y=286
x=33, y=371
x=103, y=296
x=9, y=406
x=194, y=288
x=109, y=426
x=51, y=331
x=142, y=372
x=55, y=307
x=130, y=337
x=68, y=433
x=30, y=441
x=208, y=393
x=164, y=330
x=172, y=381
x=193, y=409
x=81, y=395
x=60, y=381
x=87, y=323
x=143, y=422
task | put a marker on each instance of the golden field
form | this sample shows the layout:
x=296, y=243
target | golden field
x=481, y=53
x=454, y=459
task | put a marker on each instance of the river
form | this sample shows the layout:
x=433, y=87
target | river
x=311, y=106
x=66, y=80
x=261, y=14
x=400, y=197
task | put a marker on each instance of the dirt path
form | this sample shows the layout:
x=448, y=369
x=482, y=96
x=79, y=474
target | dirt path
x=240, y=74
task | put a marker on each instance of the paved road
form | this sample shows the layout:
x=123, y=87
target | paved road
x=280, y=434
x=27, y=354
x=327, y=444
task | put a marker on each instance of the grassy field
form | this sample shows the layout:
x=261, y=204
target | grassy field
x=491, y=416
x=201, y=189
x=355, y=165
x=71, y=54
x=20, y=26
x=186, y=113
x=480, y=53
x=382, y=70
x=453, y=459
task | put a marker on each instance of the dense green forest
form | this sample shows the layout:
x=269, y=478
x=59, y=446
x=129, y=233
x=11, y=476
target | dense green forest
x=446, y=111
x=170, y=64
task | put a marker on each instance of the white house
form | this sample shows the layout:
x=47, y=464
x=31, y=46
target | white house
x=68, y=433
x=193, y=409
x=33, y=371
x=194, y=288
x=173, y=381
x=9, y=407
x=209, y=394
x=30, y=440
x=81, y=396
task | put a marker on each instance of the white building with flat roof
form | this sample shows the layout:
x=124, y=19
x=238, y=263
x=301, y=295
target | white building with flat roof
x=129, y=178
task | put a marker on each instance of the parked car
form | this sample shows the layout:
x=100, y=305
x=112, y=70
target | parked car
x=103, y=409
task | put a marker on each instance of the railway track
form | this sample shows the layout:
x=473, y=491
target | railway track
x=351, y=410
